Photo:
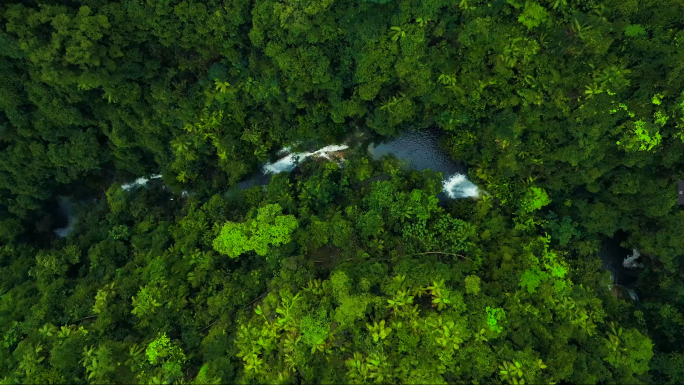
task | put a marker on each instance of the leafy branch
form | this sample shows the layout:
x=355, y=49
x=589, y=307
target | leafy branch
x=397, y=33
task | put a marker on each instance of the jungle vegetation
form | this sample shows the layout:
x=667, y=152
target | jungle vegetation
x=569, y=113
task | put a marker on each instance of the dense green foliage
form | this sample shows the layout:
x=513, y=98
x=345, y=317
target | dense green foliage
x=570, y=114
x=380, y=285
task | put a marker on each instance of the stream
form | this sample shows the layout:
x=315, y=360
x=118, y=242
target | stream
x=613, y=259
x=419, y=150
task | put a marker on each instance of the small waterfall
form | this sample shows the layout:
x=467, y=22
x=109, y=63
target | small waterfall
x=140, y=182
x=458, y=186
x=621, y=265
x=289, y=162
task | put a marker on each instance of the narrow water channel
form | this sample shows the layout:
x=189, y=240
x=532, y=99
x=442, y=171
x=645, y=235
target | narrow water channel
x=420, y=150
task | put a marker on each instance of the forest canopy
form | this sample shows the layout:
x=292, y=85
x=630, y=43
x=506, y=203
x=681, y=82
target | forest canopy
x=568, y=113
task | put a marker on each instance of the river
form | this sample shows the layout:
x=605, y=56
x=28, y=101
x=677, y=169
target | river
x=420, y=150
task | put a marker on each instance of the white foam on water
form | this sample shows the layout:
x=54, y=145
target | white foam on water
x=140, y=182
x=289, y=162
x=630, y=261
x=458, y=186
x=285, y=164
x=325, y=151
